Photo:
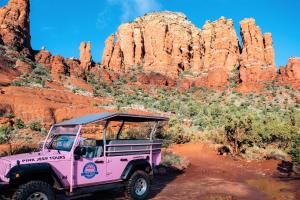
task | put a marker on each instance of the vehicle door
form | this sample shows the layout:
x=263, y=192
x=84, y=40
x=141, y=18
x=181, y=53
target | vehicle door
x=90, y=168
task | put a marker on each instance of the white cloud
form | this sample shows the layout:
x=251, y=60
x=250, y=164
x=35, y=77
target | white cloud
x=130, y=9
x=134, y=8
x=144, y=6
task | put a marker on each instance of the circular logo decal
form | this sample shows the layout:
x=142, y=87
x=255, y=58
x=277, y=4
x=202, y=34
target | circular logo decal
x=89, y=170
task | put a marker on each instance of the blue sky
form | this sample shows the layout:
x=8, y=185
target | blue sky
x=60, y=25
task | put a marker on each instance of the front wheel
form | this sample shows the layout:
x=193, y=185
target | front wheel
x=34, y=190
x=138, y=186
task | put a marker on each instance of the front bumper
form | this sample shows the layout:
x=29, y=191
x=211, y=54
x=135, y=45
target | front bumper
x=3, y=187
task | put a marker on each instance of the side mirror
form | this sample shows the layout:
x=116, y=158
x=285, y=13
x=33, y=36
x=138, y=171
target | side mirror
x=79, y=152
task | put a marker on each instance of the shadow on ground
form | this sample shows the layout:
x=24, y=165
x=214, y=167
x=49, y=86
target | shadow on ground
x=159, y=183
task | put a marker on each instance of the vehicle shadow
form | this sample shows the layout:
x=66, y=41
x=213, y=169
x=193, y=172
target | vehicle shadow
x=159, y=183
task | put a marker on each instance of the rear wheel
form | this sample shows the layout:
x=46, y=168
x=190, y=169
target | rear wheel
x=138, y=186
x=34, y=190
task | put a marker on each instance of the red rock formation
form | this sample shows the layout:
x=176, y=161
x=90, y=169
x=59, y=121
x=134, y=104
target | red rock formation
x=74, y=66
x=50, y=106
x=159, y=42
x=116, y=61
x=44, y=58
x=257, y=58
x=7, y=72
x=14, y=24
x=61, y=65
x=155, y=79
x=57, y=67
x=85, y=56
x=220, y=45
x=107, y=53
x=23, y=66
x=290, y=75
x=167, y=43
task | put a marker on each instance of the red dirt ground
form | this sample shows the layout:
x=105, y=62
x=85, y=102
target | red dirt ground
x=211, y=176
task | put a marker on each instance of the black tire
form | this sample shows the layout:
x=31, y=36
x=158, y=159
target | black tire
x=3, y=197
x=134, y=182
x=34, y=187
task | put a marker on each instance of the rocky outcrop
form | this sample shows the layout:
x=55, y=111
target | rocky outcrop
x=290, y=75
x=220, y=46
x=85, y=56
x=74, y=67
x=167, y=43
x=23, y=66
x=58, y=67
x=109, y=47
x=160, y=42
x=14, y=25
x=257, y=58
x=44, y=58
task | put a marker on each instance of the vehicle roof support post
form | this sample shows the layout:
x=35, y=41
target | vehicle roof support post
x=120, y=129
x=104, y=136
x=48, y=135
x=153, y=130
x=151, y=141
x=76, y=141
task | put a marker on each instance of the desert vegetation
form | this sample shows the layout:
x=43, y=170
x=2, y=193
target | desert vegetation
x=37, y=78
x=256, y=126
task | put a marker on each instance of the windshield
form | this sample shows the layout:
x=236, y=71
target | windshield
x=62, y=138
x=62, y=142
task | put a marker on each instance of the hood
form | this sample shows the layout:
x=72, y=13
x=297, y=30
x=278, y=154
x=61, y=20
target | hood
x=47, y=156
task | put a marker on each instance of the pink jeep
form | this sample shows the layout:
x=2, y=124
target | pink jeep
x=86, y=155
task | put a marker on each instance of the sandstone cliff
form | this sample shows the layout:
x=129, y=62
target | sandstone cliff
x=167, y=43
x=14, y=24
x=166, y=49
x=257, y=58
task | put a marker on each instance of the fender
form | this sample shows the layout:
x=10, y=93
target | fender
x=132, y=166
x=33, y=171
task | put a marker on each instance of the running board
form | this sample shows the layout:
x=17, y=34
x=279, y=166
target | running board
x=93, y=189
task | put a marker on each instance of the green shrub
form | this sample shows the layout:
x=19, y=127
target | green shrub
x=6, y=134
x=133, y=78
x=19, y=124
x=37, y=78
x=245, y=121
x=237, y=132
x=35, y=126
x=9, y=115
x=170, y=159
x=295, y=149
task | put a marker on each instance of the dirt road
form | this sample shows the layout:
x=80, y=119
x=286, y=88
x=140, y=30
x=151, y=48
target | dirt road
x=211, y=176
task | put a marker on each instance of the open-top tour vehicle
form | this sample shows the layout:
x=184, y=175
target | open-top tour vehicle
x=85, y=155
